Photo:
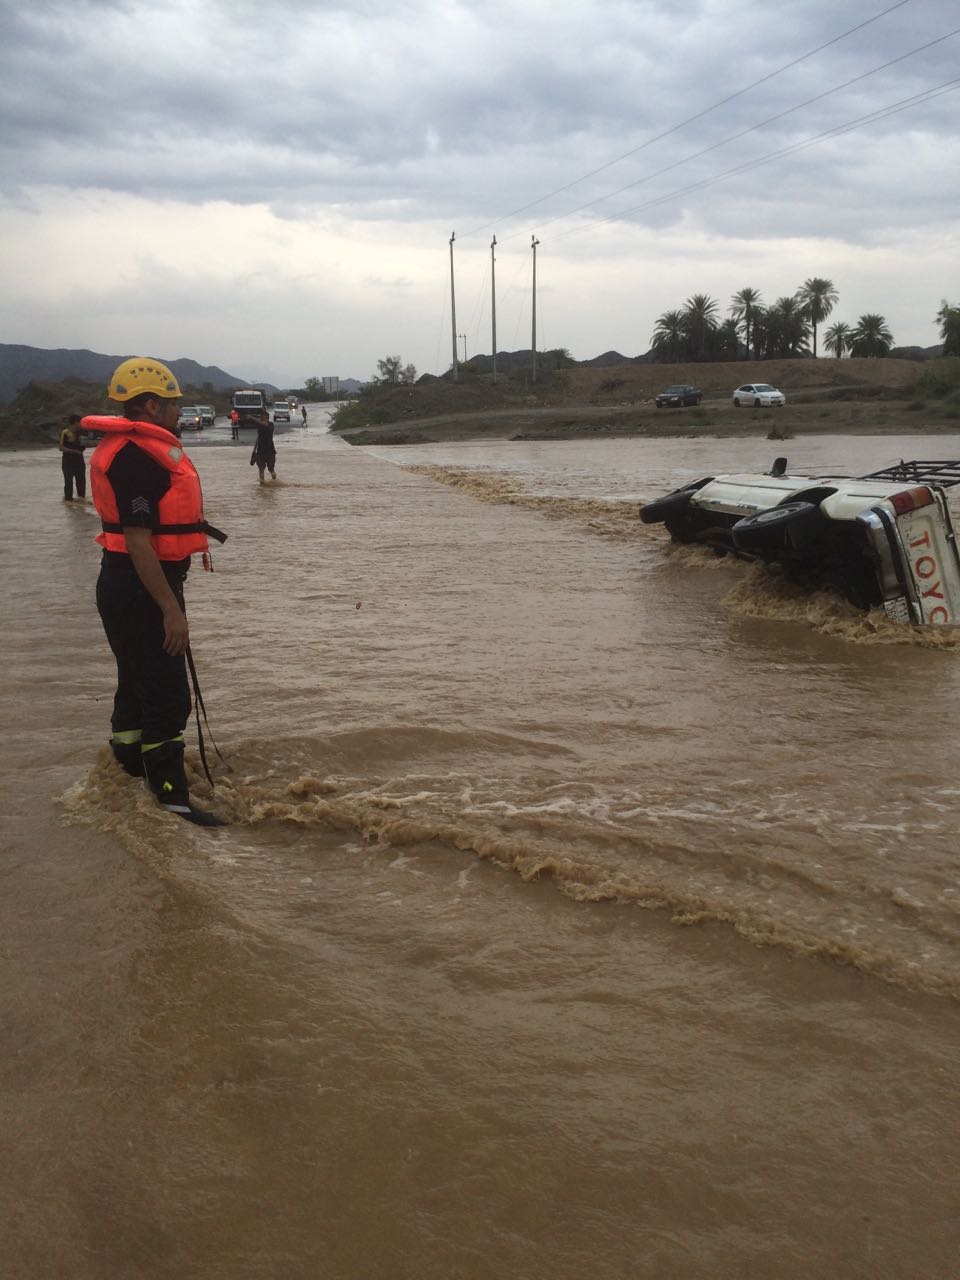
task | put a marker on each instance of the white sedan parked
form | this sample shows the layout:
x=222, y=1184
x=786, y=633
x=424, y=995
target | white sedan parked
x=757, y=394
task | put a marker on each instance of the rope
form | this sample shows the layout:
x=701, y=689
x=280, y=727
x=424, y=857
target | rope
x=199, y=708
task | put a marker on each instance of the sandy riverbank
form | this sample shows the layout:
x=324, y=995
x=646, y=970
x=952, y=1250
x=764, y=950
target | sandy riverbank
x=823, y=396
x=712, y=418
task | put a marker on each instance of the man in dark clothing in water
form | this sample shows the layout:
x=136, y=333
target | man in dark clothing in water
x=147, y=494
x=71, y=461
x=264, y=451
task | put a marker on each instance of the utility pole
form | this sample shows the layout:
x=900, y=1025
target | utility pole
x=533, y=342
x=493, y=299
x=463, y=339
x=453, y=307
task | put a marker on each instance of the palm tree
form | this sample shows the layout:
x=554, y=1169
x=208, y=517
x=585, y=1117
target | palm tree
x=700, y=316
x=787, y=329
x=837, y=338
x=759, y=333
x=948, y=318
x=871, y=337
x=743, y=306
x=728, y=340
x=670, y=337
x=818, y=297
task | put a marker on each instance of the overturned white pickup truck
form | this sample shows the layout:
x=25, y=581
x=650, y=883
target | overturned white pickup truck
x=881, y=539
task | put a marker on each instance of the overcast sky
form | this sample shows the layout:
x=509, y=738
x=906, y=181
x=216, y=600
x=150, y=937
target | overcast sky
x=271, y=188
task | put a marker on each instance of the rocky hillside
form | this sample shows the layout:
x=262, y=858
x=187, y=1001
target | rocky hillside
x=20, y=365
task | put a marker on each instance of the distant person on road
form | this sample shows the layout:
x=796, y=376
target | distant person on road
x=234, y=425
x=71, y=461
x=303, y=410
x=147, y=495
x=264, y=451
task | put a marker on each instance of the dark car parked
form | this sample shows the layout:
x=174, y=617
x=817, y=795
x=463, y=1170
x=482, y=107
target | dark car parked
x=679, y=395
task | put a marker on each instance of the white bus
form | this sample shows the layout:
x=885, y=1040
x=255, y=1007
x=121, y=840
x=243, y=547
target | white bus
x=249, y=404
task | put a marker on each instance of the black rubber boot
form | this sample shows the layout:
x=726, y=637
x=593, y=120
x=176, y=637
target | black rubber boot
x=129, y=757
x=167, y=779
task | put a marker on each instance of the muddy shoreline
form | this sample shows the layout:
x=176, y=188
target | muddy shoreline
x=865, y=417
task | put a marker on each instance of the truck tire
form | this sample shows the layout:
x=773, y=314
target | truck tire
x=672, y=504
x=793, y=525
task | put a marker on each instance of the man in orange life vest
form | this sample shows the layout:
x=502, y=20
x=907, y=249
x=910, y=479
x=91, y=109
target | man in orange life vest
x=147, y=494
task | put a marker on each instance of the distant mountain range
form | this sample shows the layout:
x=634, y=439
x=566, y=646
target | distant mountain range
x=20, y=365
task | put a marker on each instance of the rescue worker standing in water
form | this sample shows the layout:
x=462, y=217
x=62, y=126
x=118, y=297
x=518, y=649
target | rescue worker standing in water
x=147, y=494
x=71, y=449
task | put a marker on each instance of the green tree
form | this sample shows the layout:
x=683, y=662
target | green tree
x=391, y=369
x=728, y=340
x=557, y=358
x=948, y=318
x=786, y=329
x=743, y=307
x=313, y=387
x=758, y=332
x=669, y=339
x=818, y=297
x=837, y=338
x=871, y=337
x=700, y=321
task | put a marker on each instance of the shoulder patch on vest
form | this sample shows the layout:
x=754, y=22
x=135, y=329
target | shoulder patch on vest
x=175, y=453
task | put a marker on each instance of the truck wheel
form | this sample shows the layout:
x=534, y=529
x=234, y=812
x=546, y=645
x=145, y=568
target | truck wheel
x=793, y=524
x=662, y=509
x=681, y=527
x=671, y=504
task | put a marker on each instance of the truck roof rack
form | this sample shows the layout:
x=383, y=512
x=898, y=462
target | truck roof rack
x=919, y=471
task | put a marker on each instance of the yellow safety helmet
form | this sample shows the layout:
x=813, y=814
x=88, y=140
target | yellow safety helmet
x=140, y=375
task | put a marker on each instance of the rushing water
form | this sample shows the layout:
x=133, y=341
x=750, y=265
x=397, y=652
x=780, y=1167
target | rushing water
x=589, y=907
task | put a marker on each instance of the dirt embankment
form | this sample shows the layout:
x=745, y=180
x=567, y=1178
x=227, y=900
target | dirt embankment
x=824, y=395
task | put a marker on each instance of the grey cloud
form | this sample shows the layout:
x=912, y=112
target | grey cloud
x=455, y=110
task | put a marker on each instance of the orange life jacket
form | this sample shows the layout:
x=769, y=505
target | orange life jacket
x=182, y=530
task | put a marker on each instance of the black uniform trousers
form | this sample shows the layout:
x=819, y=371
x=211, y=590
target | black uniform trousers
x=153, y=694
x=74, y=471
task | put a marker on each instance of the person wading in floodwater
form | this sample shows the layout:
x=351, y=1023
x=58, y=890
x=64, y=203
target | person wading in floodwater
x=71, y=459
x=264, y=451
x=147, y=495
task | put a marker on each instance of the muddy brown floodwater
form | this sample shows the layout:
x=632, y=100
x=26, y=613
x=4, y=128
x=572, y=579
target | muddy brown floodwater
x=589, y=908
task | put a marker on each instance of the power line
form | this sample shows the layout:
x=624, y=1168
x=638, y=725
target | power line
x=927, y=95
x=871, y=117
x=690, y=119
x=752, y=129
